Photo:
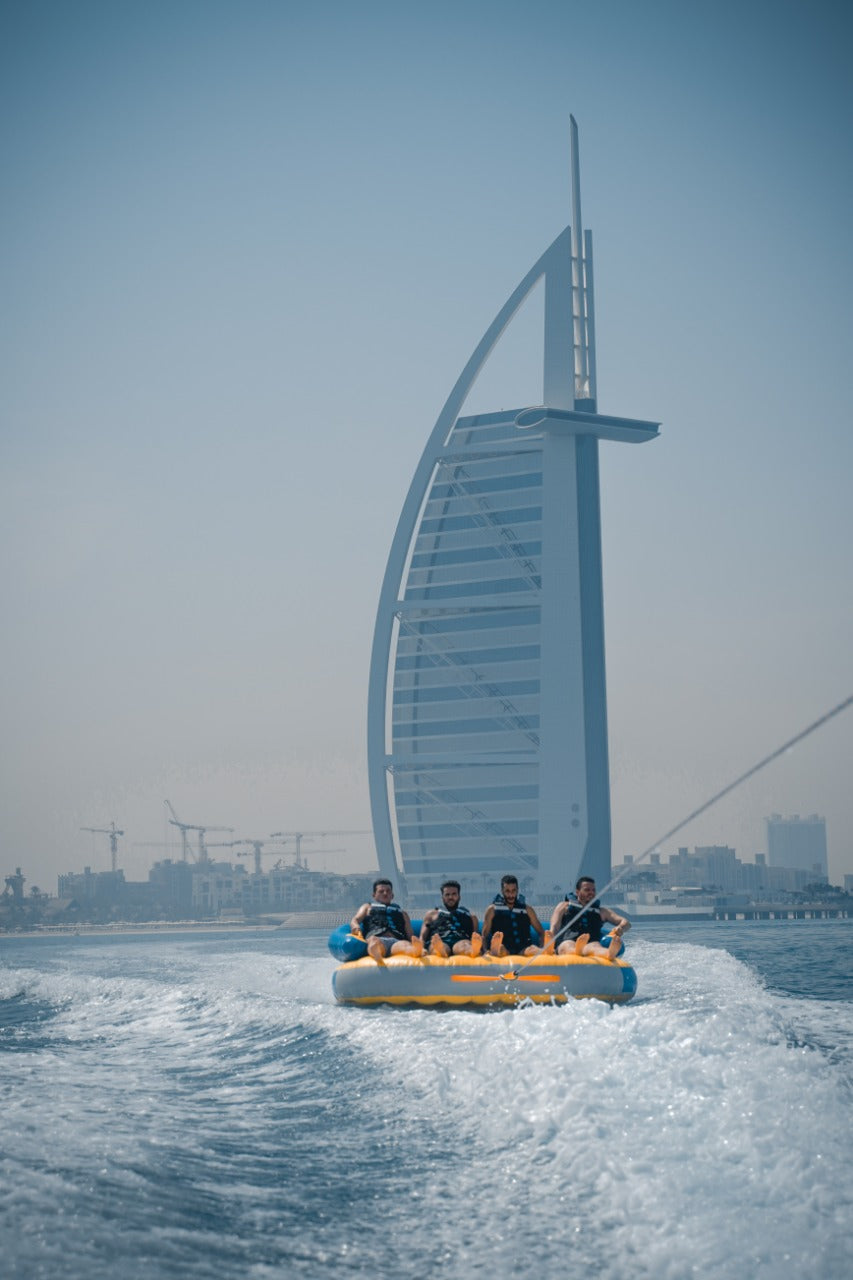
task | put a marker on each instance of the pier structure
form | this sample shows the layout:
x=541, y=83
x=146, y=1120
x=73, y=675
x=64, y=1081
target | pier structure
x=785, y=911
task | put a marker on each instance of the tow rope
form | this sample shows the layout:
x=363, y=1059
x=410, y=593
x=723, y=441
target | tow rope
x=514, y=974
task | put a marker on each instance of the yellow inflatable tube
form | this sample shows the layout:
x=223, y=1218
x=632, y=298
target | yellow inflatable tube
x=486, y=980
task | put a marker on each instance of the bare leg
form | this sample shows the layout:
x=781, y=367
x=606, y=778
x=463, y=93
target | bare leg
x=496, y=945
x=615, y=945
x=414, y=948
x=376, y=950
x=580, y=943
x=548, y=947
x=476, y=944
x=438, y=947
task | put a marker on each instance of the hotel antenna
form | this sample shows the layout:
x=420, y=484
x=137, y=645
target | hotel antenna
x=583, y=307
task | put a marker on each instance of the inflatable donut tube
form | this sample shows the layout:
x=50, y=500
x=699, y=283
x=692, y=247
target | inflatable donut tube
x=486, y=980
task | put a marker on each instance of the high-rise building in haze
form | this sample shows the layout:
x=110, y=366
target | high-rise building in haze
x=799, y=843
x=487, y=718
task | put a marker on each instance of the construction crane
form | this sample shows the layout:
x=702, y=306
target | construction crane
x=281, y=865
x=222, y=844
x=184, y=827
x=299, y=836
x=157, y=844
x=257, y=846
x=113, y=832
x=255, y=852
x=314, y=853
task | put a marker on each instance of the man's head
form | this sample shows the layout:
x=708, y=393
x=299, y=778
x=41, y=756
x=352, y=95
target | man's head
x=509, y=888
x=585, y=889
x=451, y=891
x=383, y=890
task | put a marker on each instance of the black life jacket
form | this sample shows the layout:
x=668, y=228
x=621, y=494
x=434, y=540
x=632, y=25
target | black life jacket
x=452, y=926
x=513, y=923
x=589, y=921
x=386, y=921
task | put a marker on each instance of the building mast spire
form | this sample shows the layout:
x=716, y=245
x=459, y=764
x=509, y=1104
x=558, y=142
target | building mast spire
x=583, y=310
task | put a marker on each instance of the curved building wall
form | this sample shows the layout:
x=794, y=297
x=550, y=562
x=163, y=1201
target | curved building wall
x=465, y=688
x=487, y=722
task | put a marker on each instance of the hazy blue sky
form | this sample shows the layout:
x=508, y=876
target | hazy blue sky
x=248, y=247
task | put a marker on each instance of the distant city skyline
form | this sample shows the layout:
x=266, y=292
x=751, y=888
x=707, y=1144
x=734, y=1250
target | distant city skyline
x=798, y=842
x=287, y=857
x=245, y=251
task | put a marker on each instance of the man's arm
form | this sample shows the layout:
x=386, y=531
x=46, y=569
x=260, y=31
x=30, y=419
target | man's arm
x=426, y=926
x=487, y=921
x=355, y=923
x=536, y=922
x=611, y=917
x=407, y=926
x=557, y=916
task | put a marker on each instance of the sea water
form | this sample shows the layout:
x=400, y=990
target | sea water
x=197, y=1106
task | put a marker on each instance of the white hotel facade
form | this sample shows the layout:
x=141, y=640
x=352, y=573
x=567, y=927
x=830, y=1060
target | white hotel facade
x=487, y=713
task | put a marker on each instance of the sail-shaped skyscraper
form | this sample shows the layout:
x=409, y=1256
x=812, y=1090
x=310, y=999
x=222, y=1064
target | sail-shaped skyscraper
x=487, y=713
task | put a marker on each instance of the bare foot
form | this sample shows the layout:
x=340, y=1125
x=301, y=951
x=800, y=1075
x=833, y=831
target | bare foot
x=416, y=948
x=548, y=947
x=376, y=950
x=476, y=945
x=438, y=947
x=580, y=943
x=496, y=945
x=615, y=946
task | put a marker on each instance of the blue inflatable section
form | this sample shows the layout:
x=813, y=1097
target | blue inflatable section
x=344, y=946
x=629, y=979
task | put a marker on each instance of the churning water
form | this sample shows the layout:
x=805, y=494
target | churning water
x=196, y=1106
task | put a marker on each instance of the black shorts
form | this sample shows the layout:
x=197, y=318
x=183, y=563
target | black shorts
x=387, y=940
x=452, y=938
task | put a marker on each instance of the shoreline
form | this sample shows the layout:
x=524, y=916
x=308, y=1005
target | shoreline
x=292, y=921
x=327, y=921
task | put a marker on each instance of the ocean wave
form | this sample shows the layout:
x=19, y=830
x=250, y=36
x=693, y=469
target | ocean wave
x=189, y=1109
